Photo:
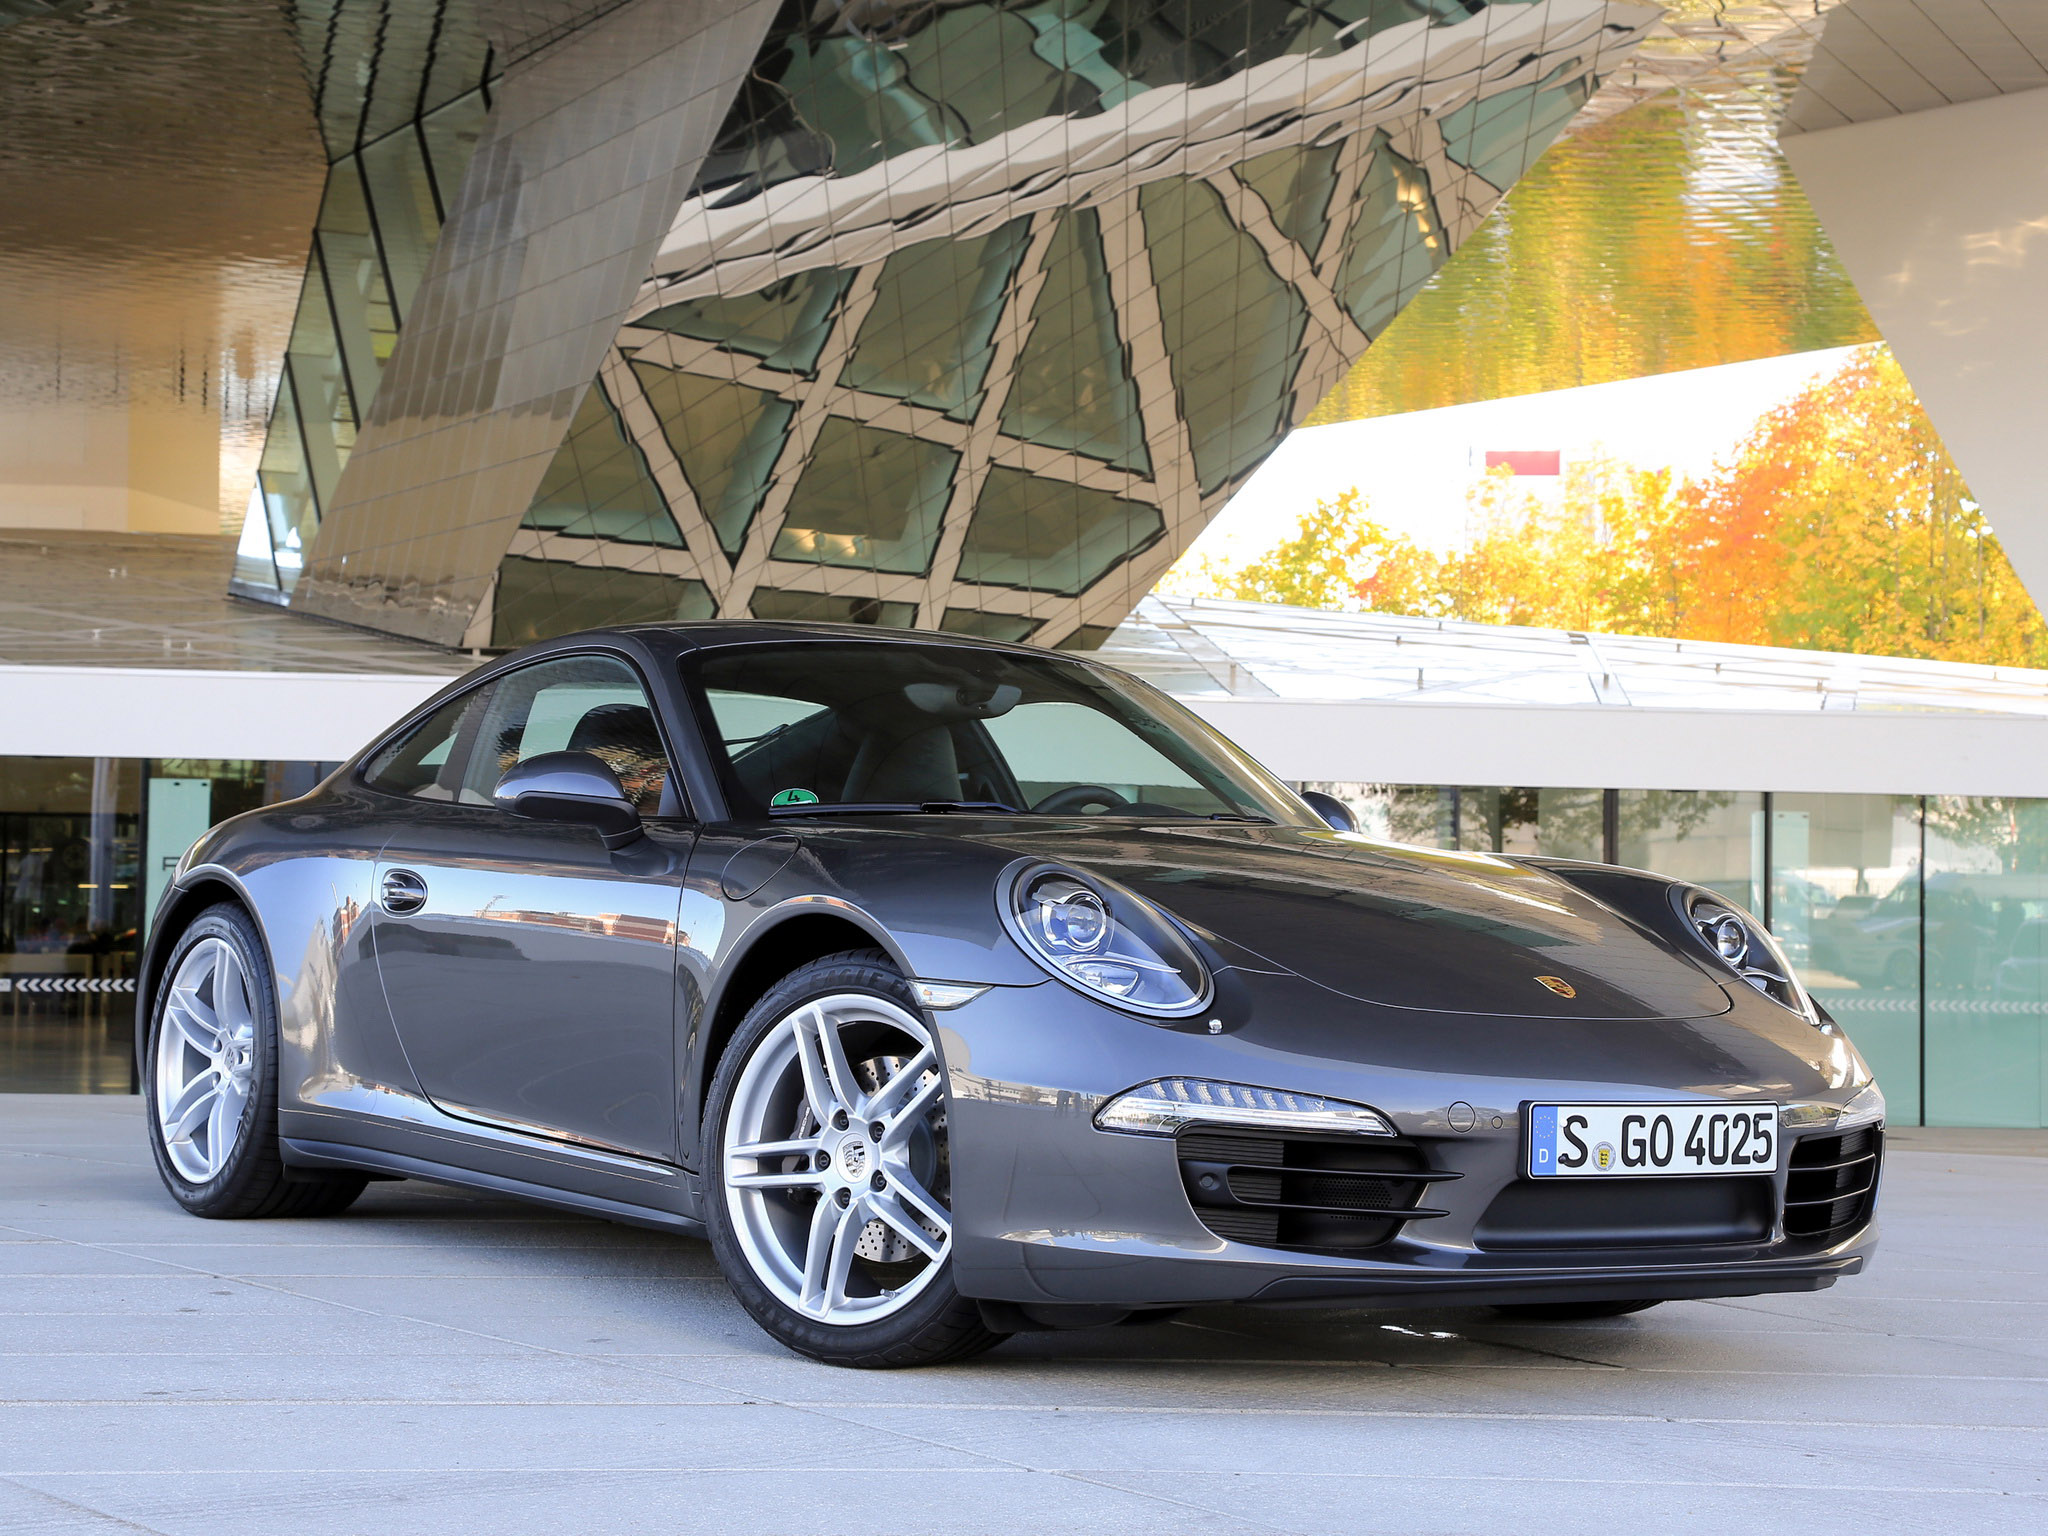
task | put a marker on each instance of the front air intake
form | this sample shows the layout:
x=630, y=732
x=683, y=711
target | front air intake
x=1832, y=1183
x=1320, y=1194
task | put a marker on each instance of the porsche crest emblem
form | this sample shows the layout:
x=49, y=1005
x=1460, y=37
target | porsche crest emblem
x=1558, y=985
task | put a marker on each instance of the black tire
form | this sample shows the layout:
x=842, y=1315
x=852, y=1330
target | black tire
x=253, y=1181
x=939, y=1325
x=1571, y=1311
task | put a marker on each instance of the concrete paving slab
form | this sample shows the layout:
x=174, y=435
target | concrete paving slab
x=432, y=1362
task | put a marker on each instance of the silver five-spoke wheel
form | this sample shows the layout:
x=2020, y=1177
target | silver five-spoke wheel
x=205, y=1060
x=835, y=1160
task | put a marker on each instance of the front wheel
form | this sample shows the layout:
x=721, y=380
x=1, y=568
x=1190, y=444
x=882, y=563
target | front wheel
x=829, y=1207
x=209, y=1074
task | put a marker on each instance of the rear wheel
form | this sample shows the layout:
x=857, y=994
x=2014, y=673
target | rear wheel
x=210, y=1081
x=1571, y=1311
x=830, y=1212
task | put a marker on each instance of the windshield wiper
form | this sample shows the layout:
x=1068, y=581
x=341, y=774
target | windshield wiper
x=1263, y=821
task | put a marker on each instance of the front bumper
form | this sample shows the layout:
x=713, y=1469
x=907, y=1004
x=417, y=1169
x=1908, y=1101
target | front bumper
x=1050, y=1210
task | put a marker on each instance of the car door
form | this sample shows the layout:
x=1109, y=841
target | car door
x=530, y=971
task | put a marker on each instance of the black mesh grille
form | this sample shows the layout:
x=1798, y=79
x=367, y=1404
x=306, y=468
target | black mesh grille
x=1832, y=1183
x=1326, y=1194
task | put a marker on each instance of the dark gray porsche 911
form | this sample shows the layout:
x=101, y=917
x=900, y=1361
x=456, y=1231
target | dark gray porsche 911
x=957, y=988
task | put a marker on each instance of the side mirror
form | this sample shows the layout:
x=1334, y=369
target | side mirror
x=1331, y=809
x=575, y=787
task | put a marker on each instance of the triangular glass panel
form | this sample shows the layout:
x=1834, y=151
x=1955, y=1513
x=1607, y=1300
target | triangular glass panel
x=725, y=436
x=598, y=485
x=1073, y=386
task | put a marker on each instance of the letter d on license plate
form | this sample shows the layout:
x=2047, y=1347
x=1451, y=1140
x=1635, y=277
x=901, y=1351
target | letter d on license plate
x=1644, y=1140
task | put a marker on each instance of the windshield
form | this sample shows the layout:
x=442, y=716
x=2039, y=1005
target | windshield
x=823, y=726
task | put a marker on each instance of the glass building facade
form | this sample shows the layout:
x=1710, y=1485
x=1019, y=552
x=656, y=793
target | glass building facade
x=400, y=94
x=973, y=312
x=86, y=846
x=1919, y=922
x=834, y=406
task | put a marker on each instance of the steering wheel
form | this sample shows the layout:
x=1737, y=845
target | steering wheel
x=1071, y=800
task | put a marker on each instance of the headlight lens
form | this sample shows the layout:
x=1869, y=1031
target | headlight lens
x=1746, y=947
x=1106, y=941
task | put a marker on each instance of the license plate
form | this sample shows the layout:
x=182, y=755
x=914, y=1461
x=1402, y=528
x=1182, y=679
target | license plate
x=1615, y=1141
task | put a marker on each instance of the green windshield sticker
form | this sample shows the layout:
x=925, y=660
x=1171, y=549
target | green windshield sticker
x=794, y=797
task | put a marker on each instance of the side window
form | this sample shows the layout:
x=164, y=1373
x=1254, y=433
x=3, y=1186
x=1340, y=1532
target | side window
x=425, y=763
x=592, y=704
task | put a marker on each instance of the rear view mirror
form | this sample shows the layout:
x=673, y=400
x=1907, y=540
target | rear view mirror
x=1331, y=809
x=574, y=787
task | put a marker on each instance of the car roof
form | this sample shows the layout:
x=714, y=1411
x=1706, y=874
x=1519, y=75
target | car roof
x=713, y=634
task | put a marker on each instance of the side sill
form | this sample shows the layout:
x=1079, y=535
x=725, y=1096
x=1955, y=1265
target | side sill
x=328, y=1154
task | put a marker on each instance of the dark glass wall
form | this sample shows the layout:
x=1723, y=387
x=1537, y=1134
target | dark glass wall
x=86, y=845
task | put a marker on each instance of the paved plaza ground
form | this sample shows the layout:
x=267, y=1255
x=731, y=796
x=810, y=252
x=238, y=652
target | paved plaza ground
x=437, y=1363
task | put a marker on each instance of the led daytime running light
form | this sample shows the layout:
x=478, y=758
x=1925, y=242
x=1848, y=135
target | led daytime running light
x=1162, y=1106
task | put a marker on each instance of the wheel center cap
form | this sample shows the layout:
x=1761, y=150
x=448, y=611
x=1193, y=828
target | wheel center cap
x=853, y=1159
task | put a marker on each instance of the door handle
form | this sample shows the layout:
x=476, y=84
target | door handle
x=404, y=892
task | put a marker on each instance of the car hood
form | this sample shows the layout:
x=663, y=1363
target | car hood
x=1417, y=928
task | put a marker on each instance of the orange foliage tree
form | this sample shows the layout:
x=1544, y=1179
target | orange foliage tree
x=1840, y=523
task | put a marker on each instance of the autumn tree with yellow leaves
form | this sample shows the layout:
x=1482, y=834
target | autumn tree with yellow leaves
x=1840, y=523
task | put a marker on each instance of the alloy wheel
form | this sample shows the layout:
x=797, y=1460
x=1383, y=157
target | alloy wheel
x=205, y=1060
x=835, y=1159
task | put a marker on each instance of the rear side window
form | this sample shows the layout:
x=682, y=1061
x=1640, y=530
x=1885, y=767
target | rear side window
x=425, y=762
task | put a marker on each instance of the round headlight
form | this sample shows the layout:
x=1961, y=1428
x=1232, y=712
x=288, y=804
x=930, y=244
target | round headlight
x=1743, y=944
x=1105, y=940
x=1070, y=918
x=1728, y=936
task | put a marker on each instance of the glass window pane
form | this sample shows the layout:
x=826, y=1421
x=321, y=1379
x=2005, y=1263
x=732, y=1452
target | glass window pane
x=402, y=194
x=451, y=136
x=367, y=323
x=1498, y=136
x=1049, y=535
x=539, y=598
x=326, y=414
x=990, y=626
x=784, y=324
x=1072, y=387
x=1296, y=185
x=1233, y=329
x=1713, y=838
x=1396, y=243
x=985, y=65
x=1419, y=814
x=1986, y=924
x=598, y=486
x=726, y=438
x=857, y=93
x=868, y=498
x=70, y=907
x=1845, y=903
x=285, y=487
x=793, y=607
x=928, y=337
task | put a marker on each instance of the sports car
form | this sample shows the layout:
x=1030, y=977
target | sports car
x=954, y=988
